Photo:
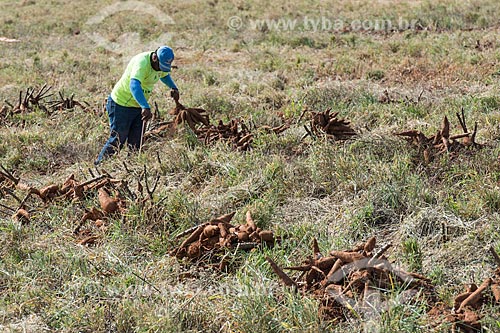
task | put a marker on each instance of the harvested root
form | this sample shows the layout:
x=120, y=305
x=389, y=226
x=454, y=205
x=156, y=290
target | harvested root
x=464, y=316
x=226, y=218
x=251, y=226
x=65, y=103
x=33, y=99
x=328, y=124
x=49, y=192
x=70, y=189
x=467, y=322
x=495, y=289
x=369, y=245
x=276, y=130
x=192, y=238
x=347, y=257
x=234, y=132
x=473, y=299
x=283, y=276
x=22, y=216
x=108, y=204
x=206, y=241
x=344, y=280
x=192, y=116
x=163, y=129
x=88, y=240
x=93, y=214
x=442, y=141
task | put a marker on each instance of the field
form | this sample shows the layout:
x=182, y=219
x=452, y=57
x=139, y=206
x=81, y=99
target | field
x=385, y=66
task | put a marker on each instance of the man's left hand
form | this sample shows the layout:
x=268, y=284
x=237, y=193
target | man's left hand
x=146, y=114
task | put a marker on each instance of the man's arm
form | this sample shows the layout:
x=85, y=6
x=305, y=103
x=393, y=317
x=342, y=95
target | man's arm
x=169, y=82
x=138, y=94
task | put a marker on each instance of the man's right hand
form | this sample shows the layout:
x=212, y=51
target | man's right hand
x=146, y=114
x=174, y=93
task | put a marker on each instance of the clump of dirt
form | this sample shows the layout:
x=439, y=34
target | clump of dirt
x=206, y=243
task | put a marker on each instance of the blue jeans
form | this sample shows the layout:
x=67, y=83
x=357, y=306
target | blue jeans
x=126, y=126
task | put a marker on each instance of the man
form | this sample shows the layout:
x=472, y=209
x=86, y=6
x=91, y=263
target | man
x=128, y=106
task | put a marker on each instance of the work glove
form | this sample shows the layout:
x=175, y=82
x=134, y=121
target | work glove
x=146, y=114
x=174, y=93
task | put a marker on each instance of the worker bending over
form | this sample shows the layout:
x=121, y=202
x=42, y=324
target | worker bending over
x=128, y=107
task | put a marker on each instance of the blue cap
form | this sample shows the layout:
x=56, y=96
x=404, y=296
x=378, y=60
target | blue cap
x=165, y=57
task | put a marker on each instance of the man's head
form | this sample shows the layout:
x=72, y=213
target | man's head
x=165, y=57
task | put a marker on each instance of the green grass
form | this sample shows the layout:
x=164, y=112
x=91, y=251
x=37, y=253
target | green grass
x=440, y=218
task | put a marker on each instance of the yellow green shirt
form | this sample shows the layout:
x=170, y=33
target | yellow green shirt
x=138, y=68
